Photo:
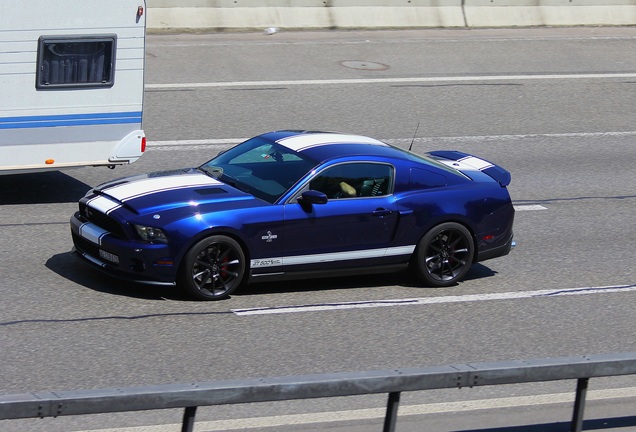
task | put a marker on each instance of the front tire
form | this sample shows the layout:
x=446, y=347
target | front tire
x=213, y=268
x=444, y=255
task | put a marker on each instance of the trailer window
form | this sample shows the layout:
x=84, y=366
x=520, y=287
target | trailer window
x=76, y=62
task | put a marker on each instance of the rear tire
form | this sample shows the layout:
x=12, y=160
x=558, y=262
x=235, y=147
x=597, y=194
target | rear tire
x=213, y=268
x=444, y=255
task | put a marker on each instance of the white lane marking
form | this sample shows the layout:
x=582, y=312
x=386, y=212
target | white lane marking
x=435, y=300
x=379, y=413
x=388, y=80
x=397, y=141
x=371, y=40
x=529, y=207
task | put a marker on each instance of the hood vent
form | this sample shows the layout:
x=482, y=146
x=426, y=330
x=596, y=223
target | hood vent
x=210, y=191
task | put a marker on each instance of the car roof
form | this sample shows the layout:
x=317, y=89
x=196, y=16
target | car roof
x=322, y=146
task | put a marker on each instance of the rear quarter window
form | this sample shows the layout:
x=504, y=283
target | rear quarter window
x=425, y=179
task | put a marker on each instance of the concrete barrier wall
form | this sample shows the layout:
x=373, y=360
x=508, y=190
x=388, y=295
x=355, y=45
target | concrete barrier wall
x=233, y=15
x=497, y=13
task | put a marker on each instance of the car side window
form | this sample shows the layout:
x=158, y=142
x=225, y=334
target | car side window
x=353, y=180
x=263, y=154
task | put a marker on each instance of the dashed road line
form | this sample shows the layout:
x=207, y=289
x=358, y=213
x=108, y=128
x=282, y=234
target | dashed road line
x=423, y=140
x=513, y=295
x=530, y=207
x=469, y=78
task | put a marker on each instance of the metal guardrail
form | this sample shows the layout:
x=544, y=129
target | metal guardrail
x=392, y=382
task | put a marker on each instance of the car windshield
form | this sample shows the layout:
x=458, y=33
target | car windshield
x=259, y=167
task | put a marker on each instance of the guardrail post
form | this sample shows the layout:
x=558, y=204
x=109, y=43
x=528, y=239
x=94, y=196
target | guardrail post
x=188, y=419
x=579, y=405
x=391, y=412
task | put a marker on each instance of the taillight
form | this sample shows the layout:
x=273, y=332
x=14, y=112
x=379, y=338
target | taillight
x=143, y=144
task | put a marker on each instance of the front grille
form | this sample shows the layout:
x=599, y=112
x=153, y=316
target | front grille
x=85, y=246
x=88, y=248
x=102, y=220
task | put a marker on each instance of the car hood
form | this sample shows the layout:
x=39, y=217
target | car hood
x=169, y=190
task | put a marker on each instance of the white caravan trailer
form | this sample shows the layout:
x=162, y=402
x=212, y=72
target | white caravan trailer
x=71, y=83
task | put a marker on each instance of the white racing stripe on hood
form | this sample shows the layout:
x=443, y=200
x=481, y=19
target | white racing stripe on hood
x=103, y=204
x=151, y=185
x=302, y=142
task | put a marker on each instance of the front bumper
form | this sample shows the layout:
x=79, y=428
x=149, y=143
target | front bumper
x=123, y=258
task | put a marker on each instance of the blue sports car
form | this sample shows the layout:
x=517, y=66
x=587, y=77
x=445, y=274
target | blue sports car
x=298, y=204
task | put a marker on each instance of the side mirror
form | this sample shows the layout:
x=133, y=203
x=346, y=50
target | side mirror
x=313, y=197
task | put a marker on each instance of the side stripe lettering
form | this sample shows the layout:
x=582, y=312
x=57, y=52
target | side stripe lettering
x=331, y=257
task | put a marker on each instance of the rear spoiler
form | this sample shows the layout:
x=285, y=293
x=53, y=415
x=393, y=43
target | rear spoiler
x=469, y=162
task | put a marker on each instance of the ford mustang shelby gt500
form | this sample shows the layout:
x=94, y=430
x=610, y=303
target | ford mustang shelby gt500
x=292, y=204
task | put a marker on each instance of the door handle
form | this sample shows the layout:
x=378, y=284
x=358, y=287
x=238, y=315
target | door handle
x=381, y=212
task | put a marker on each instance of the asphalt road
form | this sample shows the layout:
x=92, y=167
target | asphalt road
x=553, y=106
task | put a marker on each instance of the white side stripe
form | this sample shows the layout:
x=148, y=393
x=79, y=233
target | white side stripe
x=400, y=250
x=331, y=257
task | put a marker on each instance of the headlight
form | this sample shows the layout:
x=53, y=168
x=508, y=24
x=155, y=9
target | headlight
x=151, y=234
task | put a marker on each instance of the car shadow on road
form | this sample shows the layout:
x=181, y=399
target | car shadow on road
x=401, y=279
x=479, y=271
x=40, y=188
x=328, y=284
x=70, y=267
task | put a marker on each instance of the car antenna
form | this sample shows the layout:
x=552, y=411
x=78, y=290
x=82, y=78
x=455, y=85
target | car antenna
x=414, y=135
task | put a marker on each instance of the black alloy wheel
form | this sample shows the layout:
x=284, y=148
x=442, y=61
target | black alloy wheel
x=444, y=255
x=213, y=268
